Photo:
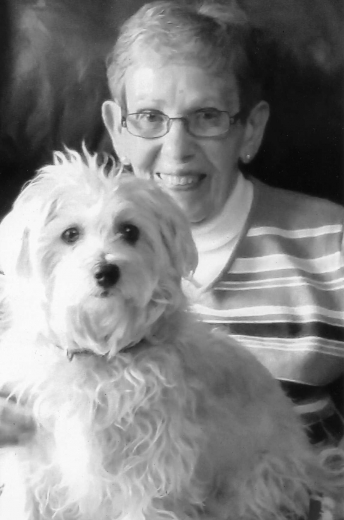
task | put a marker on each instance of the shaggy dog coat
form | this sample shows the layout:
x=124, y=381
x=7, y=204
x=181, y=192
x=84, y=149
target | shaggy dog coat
x=142, y=413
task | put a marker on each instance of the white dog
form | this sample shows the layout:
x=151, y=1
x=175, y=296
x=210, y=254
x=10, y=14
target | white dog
x=141, y=412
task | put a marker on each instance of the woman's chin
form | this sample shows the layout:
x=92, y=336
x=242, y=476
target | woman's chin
x=195, y=206
x=196, y=214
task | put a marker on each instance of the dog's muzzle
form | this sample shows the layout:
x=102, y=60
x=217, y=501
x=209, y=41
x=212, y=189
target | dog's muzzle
x=107, y=275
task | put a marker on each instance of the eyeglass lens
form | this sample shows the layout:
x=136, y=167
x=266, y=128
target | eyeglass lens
x=201, y=123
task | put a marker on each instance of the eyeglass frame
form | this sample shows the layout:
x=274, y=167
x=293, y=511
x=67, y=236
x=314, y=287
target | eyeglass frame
x=232, y=120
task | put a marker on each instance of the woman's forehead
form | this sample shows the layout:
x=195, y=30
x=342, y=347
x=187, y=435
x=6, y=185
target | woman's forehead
x=178, y=82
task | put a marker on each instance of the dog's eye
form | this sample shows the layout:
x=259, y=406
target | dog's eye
x=71, y=235
x=129, y=232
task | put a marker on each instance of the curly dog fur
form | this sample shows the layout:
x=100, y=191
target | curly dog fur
x=142, y=413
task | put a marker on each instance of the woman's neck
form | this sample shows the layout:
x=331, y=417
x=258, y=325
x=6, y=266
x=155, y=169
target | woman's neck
x=227, y=224
x=216, y=239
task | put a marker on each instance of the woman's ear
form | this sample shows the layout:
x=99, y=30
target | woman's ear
x=254, y=131
x=112, y=117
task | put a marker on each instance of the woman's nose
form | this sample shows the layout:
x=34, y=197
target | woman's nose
x=178, y=144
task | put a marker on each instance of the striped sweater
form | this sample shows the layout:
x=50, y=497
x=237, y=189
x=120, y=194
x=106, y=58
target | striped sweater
x=282, y=292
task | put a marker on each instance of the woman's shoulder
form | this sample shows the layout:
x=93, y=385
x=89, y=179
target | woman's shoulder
x=289, y=209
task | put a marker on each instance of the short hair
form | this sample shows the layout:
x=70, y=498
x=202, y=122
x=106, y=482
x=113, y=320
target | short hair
x=212, y=34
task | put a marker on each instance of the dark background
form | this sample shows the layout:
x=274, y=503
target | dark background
x=53, y=83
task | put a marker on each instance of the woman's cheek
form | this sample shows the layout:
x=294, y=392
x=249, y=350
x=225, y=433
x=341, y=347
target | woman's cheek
x=142, y=158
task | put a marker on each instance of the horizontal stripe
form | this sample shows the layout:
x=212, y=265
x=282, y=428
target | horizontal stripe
x=309, y=344
x=303, y=391
x=314, y=407
x=275, y=262
x=304, y=248
x=292, y=271
x=290, y=330
x=229, y=320
x=299, y=344
x=275, y=283
x=297, y=233
x=304, y=313
x=308, y=301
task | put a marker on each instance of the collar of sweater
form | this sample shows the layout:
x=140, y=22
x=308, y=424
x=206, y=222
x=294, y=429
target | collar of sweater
x=227, y=225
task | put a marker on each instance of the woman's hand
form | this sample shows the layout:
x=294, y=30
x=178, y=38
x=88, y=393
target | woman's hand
x=16, y=424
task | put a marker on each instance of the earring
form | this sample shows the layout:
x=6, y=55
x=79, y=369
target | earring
x=246, y=159
x=124, y=160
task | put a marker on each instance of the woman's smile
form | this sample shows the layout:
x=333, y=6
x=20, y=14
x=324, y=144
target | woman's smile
x=183, y=181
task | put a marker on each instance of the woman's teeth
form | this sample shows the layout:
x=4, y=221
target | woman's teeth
x=180, y=180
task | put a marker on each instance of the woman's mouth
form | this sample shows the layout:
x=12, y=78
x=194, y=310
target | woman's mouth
x=181, y=181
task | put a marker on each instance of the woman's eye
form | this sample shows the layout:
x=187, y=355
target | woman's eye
x=71, y=235
x=208, y=115
x=149, y=117
x=129, y=232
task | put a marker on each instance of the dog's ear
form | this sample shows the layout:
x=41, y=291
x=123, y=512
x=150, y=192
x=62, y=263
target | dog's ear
x=24, y=266
x=33, y=209
x=14, y=246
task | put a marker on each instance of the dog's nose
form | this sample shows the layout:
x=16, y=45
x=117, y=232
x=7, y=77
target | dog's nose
x=107, y=275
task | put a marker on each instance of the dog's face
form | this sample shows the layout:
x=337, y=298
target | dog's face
x=102, y=254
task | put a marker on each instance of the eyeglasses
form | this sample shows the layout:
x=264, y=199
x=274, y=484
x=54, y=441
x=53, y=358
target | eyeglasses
x=206, y=122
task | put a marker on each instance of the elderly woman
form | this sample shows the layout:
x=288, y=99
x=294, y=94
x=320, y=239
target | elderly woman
x=187, y=111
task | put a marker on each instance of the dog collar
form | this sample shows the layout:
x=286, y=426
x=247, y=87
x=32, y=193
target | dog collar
x=71, y=353
x=77, y=352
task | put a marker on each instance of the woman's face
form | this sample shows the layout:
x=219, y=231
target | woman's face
x=199, y=172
